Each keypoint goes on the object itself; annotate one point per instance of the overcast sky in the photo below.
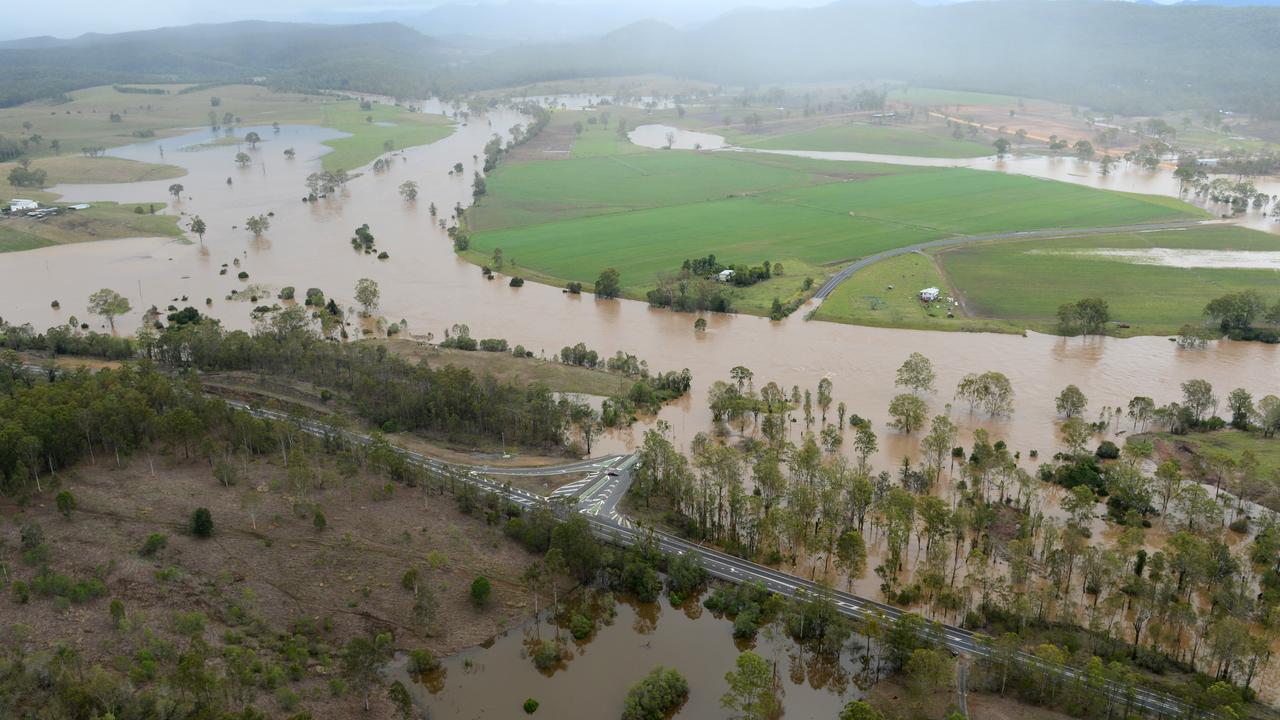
(69, 18)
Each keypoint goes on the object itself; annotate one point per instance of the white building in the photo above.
(930, 294)
(724, 275)
(20, 205)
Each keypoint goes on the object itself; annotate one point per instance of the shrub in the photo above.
(580, 626)
(319, 521)
(66, 503)
(154, 543)
(516, 282)
(421, 661)
(202, 523)
(1107, 450)
(480, 591)
(1240, 525)
(243, 275)
(530, 706)
(287, 293)
(546, 655)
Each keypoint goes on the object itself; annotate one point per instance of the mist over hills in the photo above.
(1124, 57)
(381, 57)
(1118, 56)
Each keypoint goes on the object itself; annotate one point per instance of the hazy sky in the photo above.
(68, 18)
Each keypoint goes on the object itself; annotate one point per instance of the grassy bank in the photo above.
(1229, 443)
(101, 221)
(1026, 282)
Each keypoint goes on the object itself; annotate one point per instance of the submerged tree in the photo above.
(109, 303)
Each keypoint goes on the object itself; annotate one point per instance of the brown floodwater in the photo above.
(1124, 177)
(425, 284)
(494, 679)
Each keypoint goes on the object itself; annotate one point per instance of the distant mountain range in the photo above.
(381, 57)
(1121, 56)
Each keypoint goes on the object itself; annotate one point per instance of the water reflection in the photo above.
(425, 283)
(494, 681)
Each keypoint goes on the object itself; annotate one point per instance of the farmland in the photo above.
(886, 294)
(1026, 282)
(644, 212)
(928, 141)
(102, 116)
(102, 221)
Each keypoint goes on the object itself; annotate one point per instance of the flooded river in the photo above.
(493, 680)
(1124, 177)
(424, 283)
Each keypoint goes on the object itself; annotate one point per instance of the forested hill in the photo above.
(382, 57)
(1119, 56)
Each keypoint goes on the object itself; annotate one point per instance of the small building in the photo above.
(930, 294)
(724, 276)
(80, 206)
(20, 205)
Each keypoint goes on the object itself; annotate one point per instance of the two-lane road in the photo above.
(597, 499)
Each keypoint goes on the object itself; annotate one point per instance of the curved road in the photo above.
(597, 499)
(847, 271)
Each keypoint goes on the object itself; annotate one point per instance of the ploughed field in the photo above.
(645, 212)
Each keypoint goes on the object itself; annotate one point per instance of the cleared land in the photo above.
(523, 371)
(102, 221)
(916, 141)
(1027, 282)
(645, 212)
(266, 573)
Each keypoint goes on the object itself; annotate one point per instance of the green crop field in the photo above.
(645, 212)
(1026, 282)
(886, 140)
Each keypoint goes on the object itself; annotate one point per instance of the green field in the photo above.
(886, 140)
(367, 138)
(86, 120)
(1231, 443)
(1026, 282)
(645, 212)
(102, 221)
(886, 294)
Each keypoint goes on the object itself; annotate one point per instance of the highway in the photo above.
(596, 498)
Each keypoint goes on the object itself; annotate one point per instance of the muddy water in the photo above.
(425, 284)
(1124, 177)
(494, 680)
